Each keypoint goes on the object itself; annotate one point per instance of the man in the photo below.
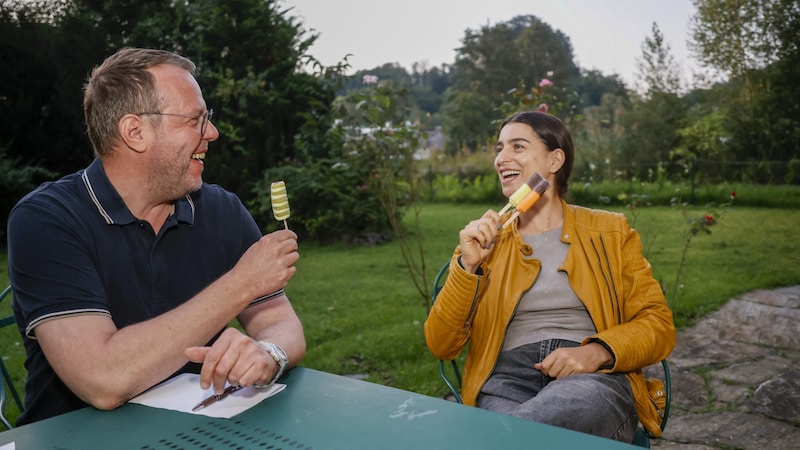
(128, 270)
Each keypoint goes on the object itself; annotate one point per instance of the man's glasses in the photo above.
(204, 118)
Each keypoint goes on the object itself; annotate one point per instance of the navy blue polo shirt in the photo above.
(75, 248)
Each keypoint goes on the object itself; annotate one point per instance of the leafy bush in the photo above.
(620, 194)
(15, 182)
(362, 189)
(481, 189)
(793, 172)
(329, 201)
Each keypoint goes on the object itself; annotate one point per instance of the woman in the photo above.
(560, 309)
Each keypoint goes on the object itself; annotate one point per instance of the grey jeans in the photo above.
(594, 403)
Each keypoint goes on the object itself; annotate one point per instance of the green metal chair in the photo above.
(453, 379)
(8, 383)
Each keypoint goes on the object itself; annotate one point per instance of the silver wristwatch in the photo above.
(279, 356)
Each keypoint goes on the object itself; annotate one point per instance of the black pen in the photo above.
(214, 398)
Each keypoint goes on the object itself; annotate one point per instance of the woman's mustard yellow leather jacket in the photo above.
(607, 271)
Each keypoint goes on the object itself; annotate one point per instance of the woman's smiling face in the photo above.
(520, 154)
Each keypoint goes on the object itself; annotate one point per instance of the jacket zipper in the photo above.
(615, 296)
(472, 307)
(508, 324)
(606, 277)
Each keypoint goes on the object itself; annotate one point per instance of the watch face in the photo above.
(279, 355)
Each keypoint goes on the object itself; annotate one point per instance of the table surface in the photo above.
(317, 410)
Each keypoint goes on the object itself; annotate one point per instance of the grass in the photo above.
(362, 314)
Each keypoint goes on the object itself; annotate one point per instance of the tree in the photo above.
(426, 87)
(656, 114)
(703, 138)
(736, 36)
(599, 138)
(592, 87)
(40, 86)
(495, 59)
(657, 69)
(754, 43)
(248, 52)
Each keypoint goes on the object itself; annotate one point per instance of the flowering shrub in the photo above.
(545, 98)
(695, 226)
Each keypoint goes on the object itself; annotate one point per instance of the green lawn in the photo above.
(363, 315)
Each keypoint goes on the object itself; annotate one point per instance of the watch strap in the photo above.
(279, 355)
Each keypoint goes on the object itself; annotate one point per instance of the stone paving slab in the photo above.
(736, 377)
(731, 431)
(779, 397)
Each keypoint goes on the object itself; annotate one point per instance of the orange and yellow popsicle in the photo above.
(532, 197)
(521, 193)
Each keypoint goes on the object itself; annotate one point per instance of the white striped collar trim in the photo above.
(191, 205)
(104, 213)
(100, 209)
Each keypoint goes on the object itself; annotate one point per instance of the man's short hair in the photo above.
(123, 85)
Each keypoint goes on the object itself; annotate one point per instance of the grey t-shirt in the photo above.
(550, 309)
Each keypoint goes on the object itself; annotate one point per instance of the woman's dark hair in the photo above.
(554, 134)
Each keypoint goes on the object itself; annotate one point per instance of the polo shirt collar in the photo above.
(111, 206)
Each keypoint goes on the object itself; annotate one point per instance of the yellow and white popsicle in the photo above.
(522, 192)
(280, 202)
(533, 196)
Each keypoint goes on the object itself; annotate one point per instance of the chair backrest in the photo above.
(453, 380)
(8, 383)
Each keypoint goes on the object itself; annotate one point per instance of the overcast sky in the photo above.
(606, 35)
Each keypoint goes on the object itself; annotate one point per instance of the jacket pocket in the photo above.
(658, 397)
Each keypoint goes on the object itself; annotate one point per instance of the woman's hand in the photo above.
(477, 240)
(567, 361)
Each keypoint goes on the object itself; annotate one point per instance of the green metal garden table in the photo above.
(317, 410)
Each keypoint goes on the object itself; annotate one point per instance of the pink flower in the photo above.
(543, 108)
(545, 83)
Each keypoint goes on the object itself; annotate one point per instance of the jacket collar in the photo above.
(568, 229)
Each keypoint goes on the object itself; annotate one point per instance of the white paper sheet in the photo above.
(183, 392)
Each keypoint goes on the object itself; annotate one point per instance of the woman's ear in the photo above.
(557, 158)
(132, 132)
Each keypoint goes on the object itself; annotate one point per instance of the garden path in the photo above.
(736, 377)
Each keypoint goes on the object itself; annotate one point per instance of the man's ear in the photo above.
(132, 132)
(557, 158)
